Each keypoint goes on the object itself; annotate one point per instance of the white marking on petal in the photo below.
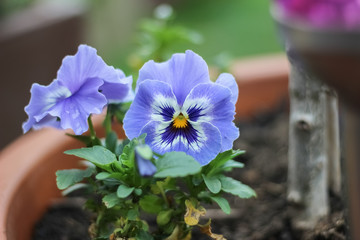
(51, 99)
(201, 138)
(167, 146)
(199, 103)
(158, 141)
(60, 93)
(160, 102)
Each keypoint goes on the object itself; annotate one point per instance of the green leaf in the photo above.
(74, 187)
(120, 147)
(127, 156)
(138, 191)
(124, 191)
(197, 179)
(111, 141)
(216, 165)
(141, 138)
(132, 214)
(111, 200)
(164, 217)
(237, 188)
(102, 175)
(151, 204)
(105, 176)
(143, 235)
(97, 155)
(223, 203)
(213, 183)
(87, 140)
(68, 177)
(232, 164)
(176, 164)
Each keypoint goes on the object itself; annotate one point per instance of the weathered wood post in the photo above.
(308, 144)
(314, 148)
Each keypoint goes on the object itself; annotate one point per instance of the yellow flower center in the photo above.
(180, 121)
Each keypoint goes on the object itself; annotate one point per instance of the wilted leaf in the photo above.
(192, 215)
(206, 229)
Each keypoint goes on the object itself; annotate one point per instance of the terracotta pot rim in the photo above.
(23, 167)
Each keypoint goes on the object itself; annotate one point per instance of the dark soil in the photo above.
(65, 220)
(267, 217)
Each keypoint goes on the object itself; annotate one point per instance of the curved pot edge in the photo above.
(15, 169)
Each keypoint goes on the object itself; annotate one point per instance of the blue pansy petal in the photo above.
(72, 117)
(145, 166)
(210, 144)
(213, 104)
(153, 130)
(129, 97)
(228, 80)
(204, 147)
(46, 121)
(85, 64)
(118, 92)
(42, 99)
(182, 72)
(75, 110)
(229, 133)
(154, 100)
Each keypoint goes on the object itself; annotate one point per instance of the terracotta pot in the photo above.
(28, 165)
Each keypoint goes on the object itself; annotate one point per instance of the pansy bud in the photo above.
(143, 156)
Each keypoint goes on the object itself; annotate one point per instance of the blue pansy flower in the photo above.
(180, 109)
(84, 85)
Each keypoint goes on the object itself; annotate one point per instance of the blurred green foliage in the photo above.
(10, 6)
(158, 36)
(229, 29)
(236, 27)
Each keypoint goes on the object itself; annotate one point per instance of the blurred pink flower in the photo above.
(323, 13)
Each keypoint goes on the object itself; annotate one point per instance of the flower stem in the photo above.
(190, 186)
(107, 121)
(91, 128)
(163, 194)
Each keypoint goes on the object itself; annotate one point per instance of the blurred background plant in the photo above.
(212, 28)
(9, 6)
(216, 30)
(157, 37)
